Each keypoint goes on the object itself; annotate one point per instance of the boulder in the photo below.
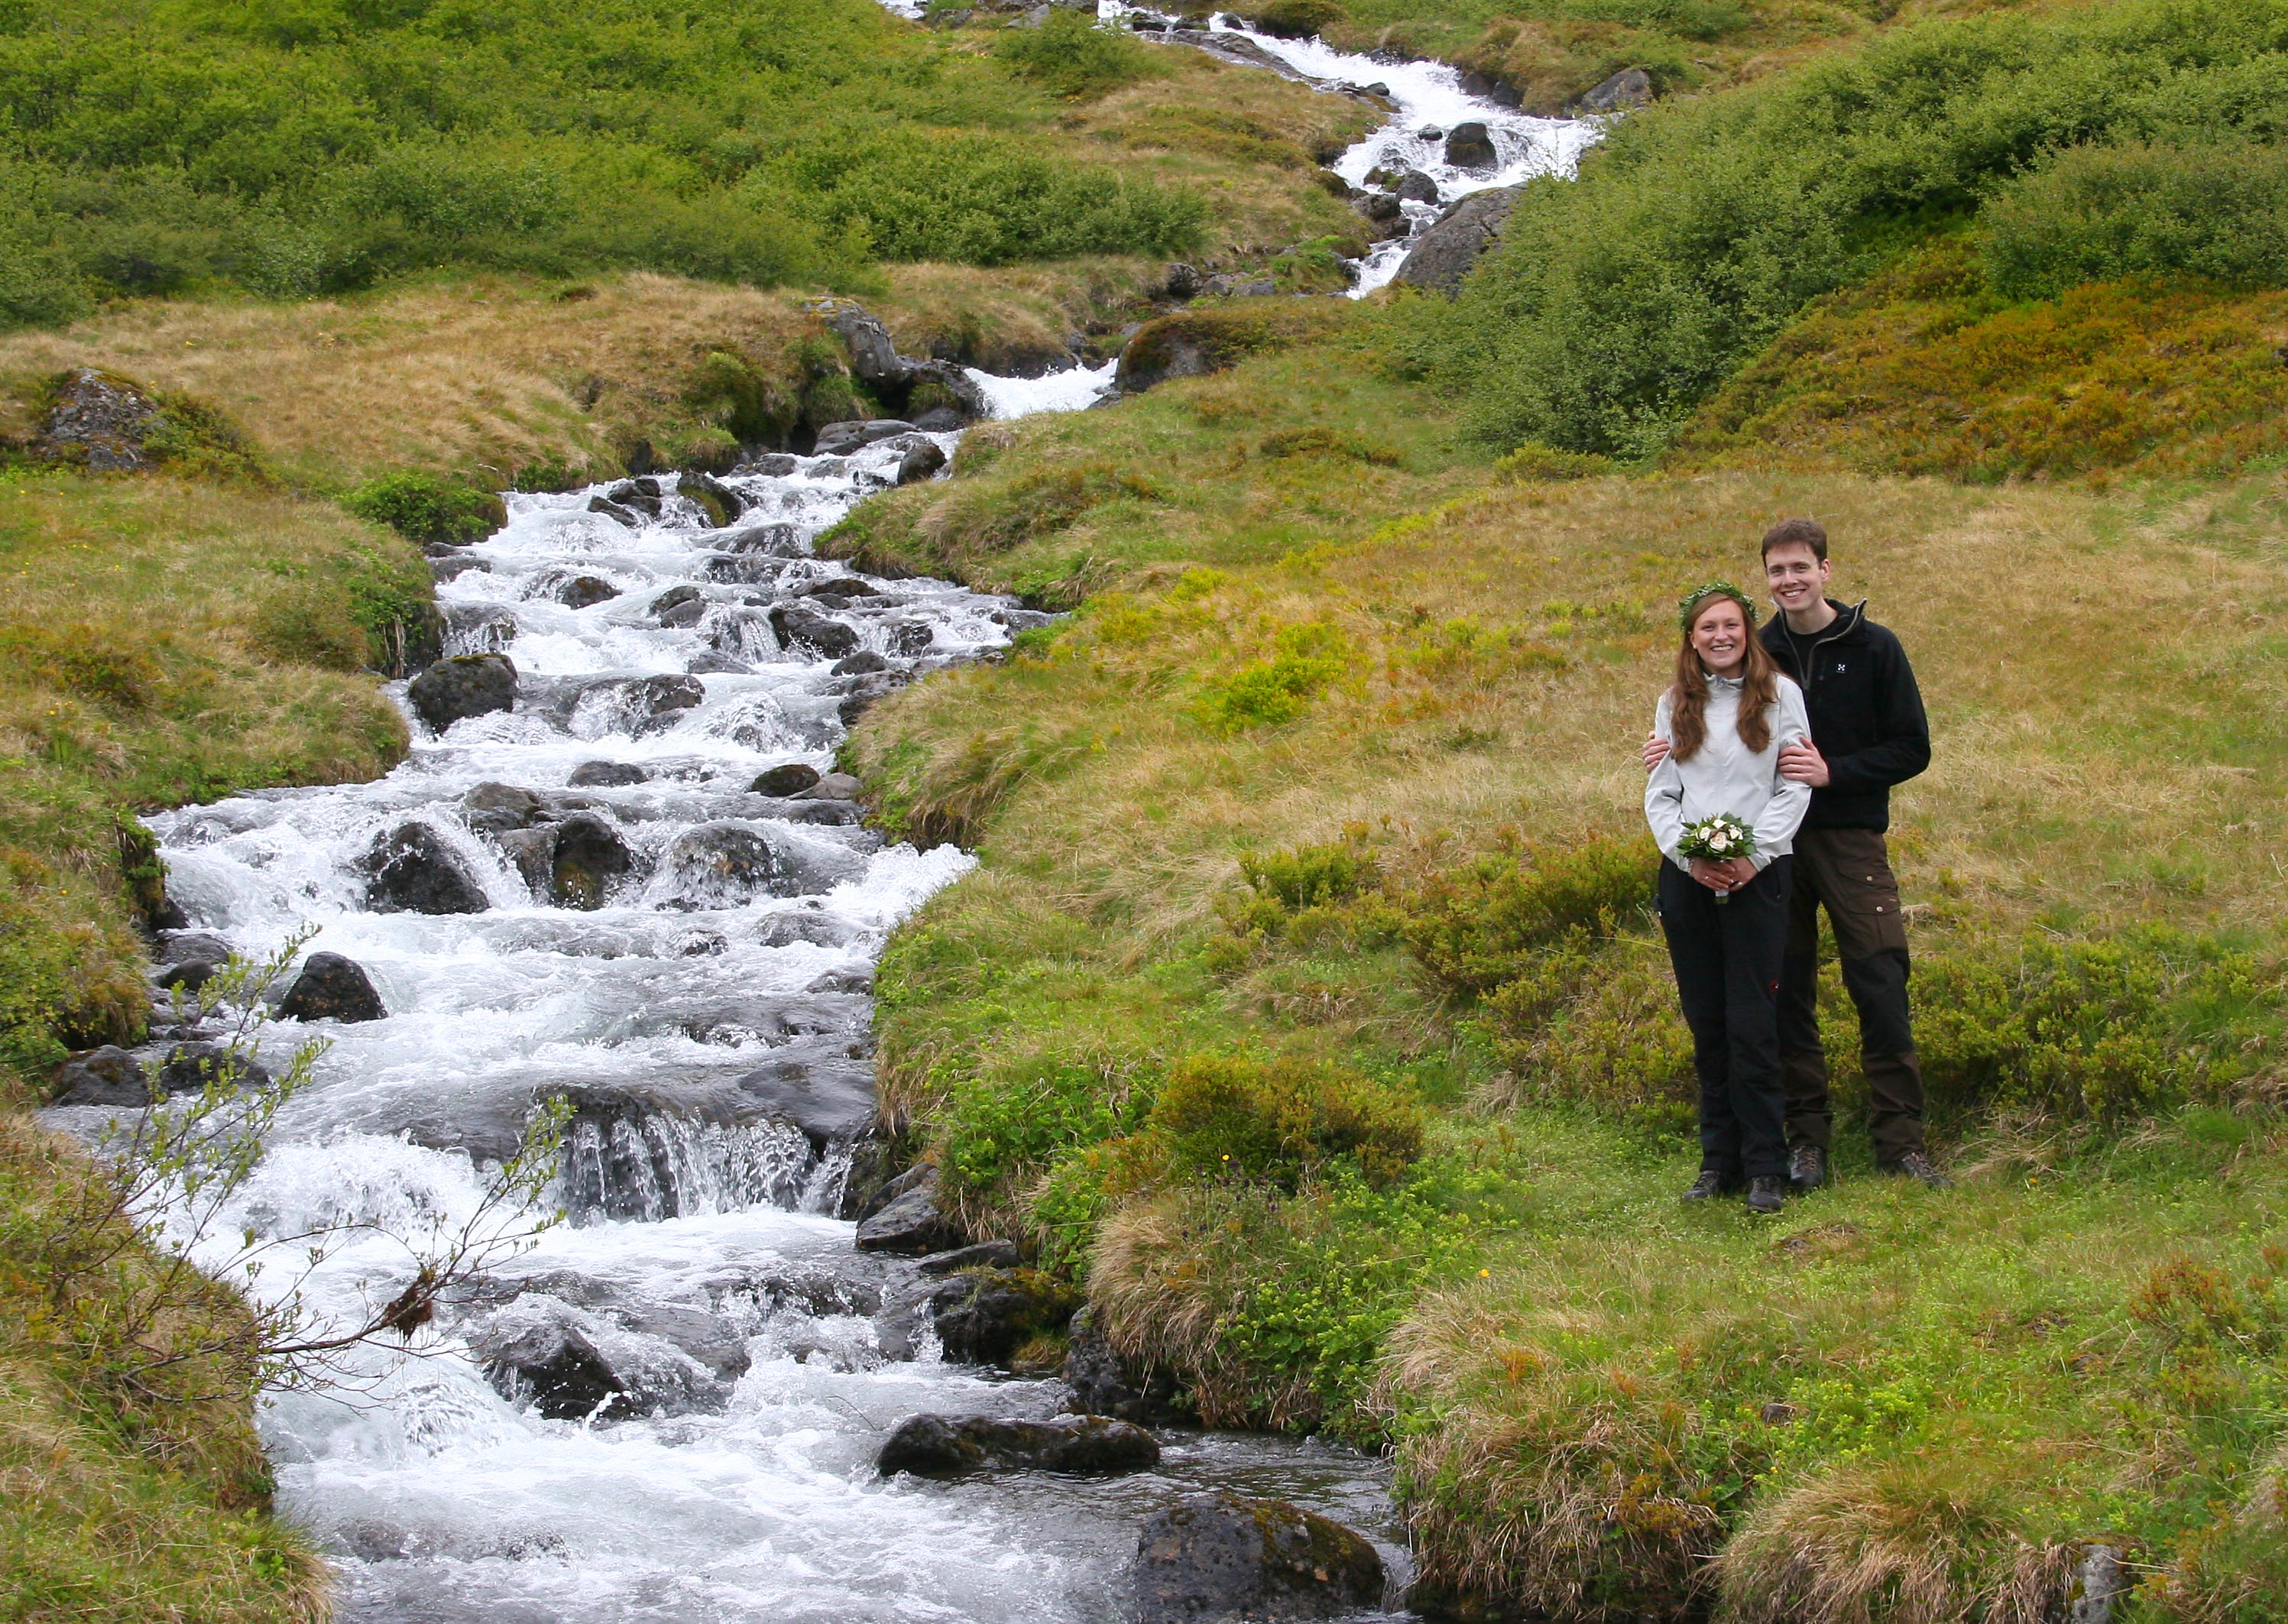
(923, 462)
(655, 703)
(607, 775)
(191, 1067)
(843, 586)
(841, 439)
(189, 959)
(874, 357)
(908, 1224)
(800, 626)
(1470, 145)
(763, 540)
(590, 855)
(726, 865)
(940, 420)
(956, 1445)
(493, 808)
(616, 512)
(1631, 87)
(985, 1316)
(1450, 249)
(583, 591)
(449, 567)
(1415, 187)
(106, 1076)
(189, 975)
(771, 465)
(532, 853)
(863, 664)
(1222, 1555)
(1379, 206)
(909, 638)
(684, 615)
(822, 1091)
(676, 597)
(984, 1254)
(1181, 281)
(566, 1360)
(331, 987)
(832, 787)
(790, 779)
(462, 686)
(717, 500)
(1099, 1381)
(101, 421)
(410, 870)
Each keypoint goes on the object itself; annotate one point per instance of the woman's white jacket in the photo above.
(1725, 775)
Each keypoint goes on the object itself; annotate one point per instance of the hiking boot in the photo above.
(1765, 1197)
(1807, 1168)
(1916, 1166)
(1711, 1182)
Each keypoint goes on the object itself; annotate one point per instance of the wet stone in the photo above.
(908, 1223)
(412, 870)
(801, 627)
(491, 809)
(1227, 1556)
(957, 1445)
(606, 775)
(192, 1067)
(589, 858)
(464, 686)
(331, 987)
(791, 779)
(106, 1076)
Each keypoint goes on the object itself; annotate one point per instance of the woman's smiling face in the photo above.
(1720, 637)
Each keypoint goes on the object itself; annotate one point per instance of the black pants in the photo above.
(1727, 977)
(1847, 871)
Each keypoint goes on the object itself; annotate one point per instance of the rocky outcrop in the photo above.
(411, 870)
(607, 775)
(466, 685)
(841, 439)
(107, 1075)
(921, 463)
(829, 1095)
(1098, 1382)
(985, 1316)
(1631, 87)
(800, 626)
(1470, 145)
(100, 420)
(1415, 187)
(1214, 1556)
(192, 1067)
(331, 987)
(956, 1445)
(908, 1223)
(1448, 252)
(493, 808)
(791, 779)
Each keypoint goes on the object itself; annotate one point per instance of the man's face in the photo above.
(1797, 577)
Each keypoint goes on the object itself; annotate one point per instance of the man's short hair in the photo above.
(1797, 533)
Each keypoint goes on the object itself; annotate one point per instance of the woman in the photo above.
(1726, 717)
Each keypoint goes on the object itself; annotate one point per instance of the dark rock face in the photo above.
(826, 1093)
(589, 856)
(940, 420)
(108, 1076)
(791, 779)
(764, 541)
(189, 959)
(718, 864)
(1631, 87)
(100, 420)
(956, 1445)
(800, 626)
(1415, 187)
(717, 500)
(653, 701)
(559, 1366)
(493, 807)
(863, 664)
(1447, 251)
(331, 987)
(1225, 1556)
(583, 591)
(464, 686)
(630, 1357)
(607, 775)
(1101, 1382)
(411, 871)
(874, 356)
(1470, 145)
(1181, 281)
(909, 1224)
(923, 462)
(984, 1254)
(190, 976)
(676, 597)
(191, 1067)
(841, 439)
(984, 1316)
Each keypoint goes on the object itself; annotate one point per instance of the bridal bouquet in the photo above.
(1718, 839)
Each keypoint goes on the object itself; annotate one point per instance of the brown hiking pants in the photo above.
(1849, 872)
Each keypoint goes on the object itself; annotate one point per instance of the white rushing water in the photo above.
(763, 1360)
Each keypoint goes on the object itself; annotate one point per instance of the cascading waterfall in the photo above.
(755, 1359)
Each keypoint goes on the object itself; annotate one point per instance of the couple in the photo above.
(1798, 735)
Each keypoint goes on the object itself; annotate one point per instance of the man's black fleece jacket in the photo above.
(1866, 714)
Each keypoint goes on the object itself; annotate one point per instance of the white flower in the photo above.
(1719, 839)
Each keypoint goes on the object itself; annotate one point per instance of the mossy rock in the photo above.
(1194, 343)
(989, 1316)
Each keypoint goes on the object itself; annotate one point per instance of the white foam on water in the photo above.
(1069, 390)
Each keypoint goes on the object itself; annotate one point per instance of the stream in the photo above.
(662, 663)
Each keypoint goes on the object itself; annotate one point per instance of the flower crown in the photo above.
(1687, 606)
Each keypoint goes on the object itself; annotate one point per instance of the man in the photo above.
(1868, 733)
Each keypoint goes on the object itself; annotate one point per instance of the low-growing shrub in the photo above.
(998, 1131)
(427, 508)
(2217, 210)
(1274, 1120)
(1322, 441)
(1305, 660)
(1483, 925)
(1534, 463)
(993, 518)
(1071, 55)
(2092, 1030)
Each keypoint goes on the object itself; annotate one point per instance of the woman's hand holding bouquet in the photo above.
(1722, 849)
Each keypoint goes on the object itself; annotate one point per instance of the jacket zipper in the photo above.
(1846, 622)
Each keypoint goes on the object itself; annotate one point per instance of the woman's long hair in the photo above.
(1687, 695)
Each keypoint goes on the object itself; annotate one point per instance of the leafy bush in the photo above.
(1299, 877)
(1614, 304)
(1070, 55)
(998, 1131)
(1305, 659)
(1486, 923)
(427, 508)
(2094, 1031)
(1274, 1120)
(2217, 210)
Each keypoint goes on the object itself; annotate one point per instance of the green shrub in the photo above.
(1615, 304)
(2094, 1031)
(2217, 210)
(1305, 660)
(1598, 1026)
(427, 508)
(1299, 877)
(1070, 55)
(1536, 463)
(1039, 501)
(1488, 923)
(1272, 1120)
(995, 1131)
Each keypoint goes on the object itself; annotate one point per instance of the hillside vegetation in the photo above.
(1306, 1002)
